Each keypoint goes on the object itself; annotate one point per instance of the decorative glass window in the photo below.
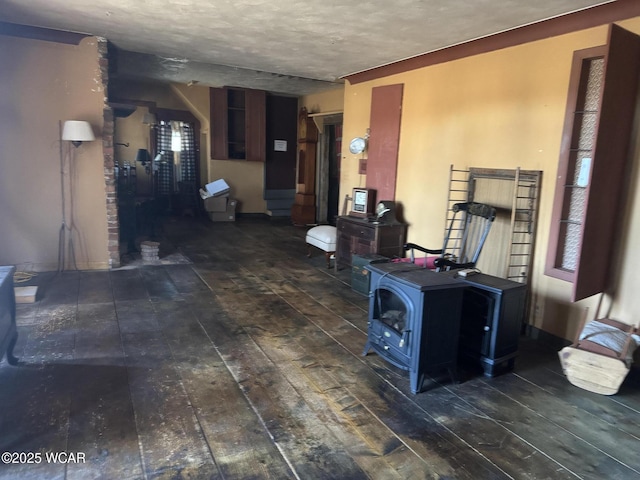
(590, 183)
(581, 155)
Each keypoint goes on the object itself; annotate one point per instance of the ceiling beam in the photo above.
(38, 33)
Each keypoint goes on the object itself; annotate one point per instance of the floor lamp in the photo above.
(75, 132)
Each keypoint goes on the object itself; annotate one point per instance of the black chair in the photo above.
(468, 229)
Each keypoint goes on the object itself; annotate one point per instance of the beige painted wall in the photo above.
(162, 94)
(196, 98)
(497, 110)
(246, 182)
(130, 130)
(42, 83)
(324, 102)
(246, 179)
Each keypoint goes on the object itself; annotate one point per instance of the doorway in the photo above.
(157, 172)
(329, 160)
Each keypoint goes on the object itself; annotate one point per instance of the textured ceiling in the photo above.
(286, 46)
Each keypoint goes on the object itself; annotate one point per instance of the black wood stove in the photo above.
(414, 319)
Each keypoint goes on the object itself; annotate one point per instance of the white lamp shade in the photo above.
(77, 131)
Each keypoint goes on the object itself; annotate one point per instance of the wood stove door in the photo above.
(390, 340)
(389, 326)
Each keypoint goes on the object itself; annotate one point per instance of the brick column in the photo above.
(108, 130)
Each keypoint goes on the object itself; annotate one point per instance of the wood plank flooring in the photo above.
(247, 364)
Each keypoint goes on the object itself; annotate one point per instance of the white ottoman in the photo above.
(324, 238)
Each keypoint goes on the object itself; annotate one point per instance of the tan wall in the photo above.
(130, 130)
(161, 94)
(497, 110)
(246, 179)
(197, 100)
(329, 101)
(42, 83)
(246, 182)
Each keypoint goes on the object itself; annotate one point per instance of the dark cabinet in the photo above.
(492, 315)
(358, 236)
(238, 124)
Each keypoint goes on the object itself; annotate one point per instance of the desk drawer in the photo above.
(355, 230)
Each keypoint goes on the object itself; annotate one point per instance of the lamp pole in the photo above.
(62, 234)
(75, 132)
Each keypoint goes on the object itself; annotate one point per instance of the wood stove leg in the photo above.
(489, 369)
(11, 360)
(453, 373)
(415, 381)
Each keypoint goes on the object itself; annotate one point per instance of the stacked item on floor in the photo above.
(600, 358)
(217, 203)
(360, 278)
(149, 251)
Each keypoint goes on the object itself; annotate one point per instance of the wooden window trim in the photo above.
(566, 165)
(604, 192)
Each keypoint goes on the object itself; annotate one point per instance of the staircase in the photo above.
(279, 202)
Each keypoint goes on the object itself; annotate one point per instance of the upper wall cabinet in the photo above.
(238, 124)
(593, 160)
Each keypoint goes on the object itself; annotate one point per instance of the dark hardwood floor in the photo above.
(246, 364)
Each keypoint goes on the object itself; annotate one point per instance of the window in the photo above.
(593, 158)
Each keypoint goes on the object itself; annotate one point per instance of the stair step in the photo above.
(280, 204)
(279, 212)
(277, 194)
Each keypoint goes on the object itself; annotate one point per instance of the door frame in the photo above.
(324, 121)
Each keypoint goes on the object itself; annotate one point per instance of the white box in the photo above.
(217, 187)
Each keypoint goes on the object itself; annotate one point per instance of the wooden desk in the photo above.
(358, 236)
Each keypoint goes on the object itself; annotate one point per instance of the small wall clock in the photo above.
(357, 145)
